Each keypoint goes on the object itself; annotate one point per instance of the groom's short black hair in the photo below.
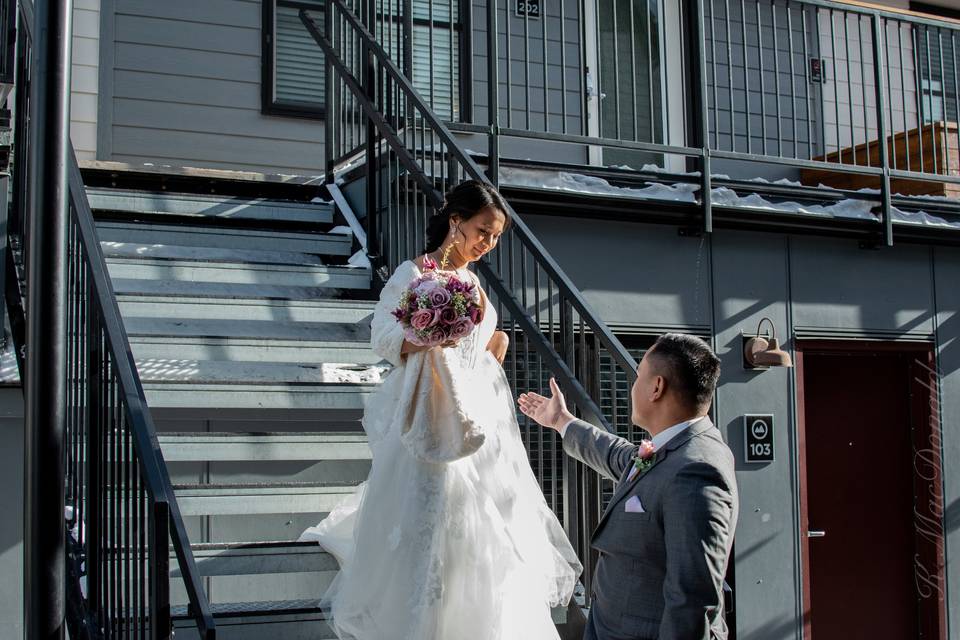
(690, 365)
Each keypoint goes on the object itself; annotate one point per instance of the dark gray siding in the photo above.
(642, 278)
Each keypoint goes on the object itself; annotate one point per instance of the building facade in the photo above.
(851, 494)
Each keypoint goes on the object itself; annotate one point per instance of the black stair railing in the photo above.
(121, 514)
(411, 160)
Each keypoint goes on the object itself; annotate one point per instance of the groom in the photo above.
(665, 538)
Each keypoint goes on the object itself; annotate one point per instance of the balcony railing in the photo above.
(816, 91)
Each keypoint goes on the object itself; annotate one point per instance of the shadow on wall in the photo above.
(951, 517)
(773, 630)
(630, 273)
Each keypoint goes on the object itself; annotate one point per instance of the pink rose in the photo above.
(461, 328)
(438, 297)
(448, 315)
(438, 336)
(645, 450)
(425, 287)
(423, 318)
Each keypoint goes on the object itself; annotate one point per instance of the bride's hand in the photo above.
(550, 412)
(408, 347)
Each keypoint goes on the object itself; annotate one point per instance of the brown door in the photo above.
(866, 481)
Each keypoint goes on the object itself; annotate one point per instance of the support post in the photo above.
(45, 383)
(879, 77)
(493, 94)
(699, 130)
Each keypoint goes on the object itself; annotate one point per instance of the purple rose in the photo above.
(438, 336)
(438, 297)
(448, 316)
(423, 318)
(411, 336)
(462, 328)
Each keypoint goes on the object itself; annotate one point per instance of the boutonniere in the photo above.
(644, 459)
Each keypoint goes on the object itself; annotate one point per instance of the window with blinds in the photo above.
(294, 70)
(293, 79)
(436, 55)
(937, 54)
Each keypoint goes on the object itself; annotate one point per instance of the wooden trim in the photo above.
(802, 488)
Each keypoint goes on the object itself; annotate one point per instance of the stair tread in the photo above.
(265, 487)
(252, 447)
(208, 206)
(322, 303)
(155, 287)
(230, 276)
(133, 250)
(241, 396)
(189, 308)
(262, 329)
(261, 607)
(258, 436)
(306, 546)
(231, 263)
(141, 227)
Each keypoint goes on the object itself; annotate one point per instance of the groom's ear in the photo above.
(659, 387)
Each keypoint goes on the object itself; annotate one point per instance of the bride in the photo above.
(465, 549)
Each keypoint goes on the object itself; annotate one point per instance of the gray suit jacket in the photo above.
(660, 573)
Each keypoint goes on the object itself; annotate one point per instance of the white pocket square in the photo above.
(633, 505)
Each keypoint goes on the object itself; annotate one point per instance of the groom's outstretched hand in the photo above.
(550, 412)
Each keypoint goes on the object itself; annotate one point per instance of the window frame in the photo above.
(269, 105)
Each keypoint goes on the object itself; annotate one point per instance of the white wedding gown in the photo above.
(462, 550)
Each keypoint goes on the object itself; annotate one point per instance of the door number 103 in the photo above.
(760, 449)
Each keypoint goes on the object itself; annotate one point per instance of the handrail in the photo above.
(567, 378)
(142, 427)
(122, 511)
(518, 226)
(552, 327)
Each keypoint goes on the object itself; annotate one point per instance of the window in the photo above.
(938, 64)
(436, 56)
(293, 63)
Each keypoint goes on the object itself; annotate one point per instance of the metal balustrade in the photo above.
(121, 516)
(411, 159)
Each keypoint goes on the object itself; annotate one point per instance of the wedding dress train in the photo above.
(465, 549)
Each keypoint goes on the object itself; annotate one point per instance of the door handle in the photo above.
(816, 534)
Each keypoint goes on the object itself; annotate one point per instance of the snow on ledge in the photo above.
(848, 209)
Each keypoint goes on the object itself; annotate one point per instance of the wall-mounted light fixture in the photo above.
(763, 352)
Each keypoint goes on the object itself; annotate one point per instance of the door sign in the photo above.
(758, 438)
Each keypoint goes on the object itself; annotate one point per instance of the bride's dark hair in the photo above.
(464, 200)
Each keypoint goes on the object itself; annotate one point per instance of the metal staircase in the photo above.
(219, 358)
(255, 366)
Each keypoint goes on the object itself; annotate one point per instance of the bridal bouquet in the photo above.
(438, 307)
